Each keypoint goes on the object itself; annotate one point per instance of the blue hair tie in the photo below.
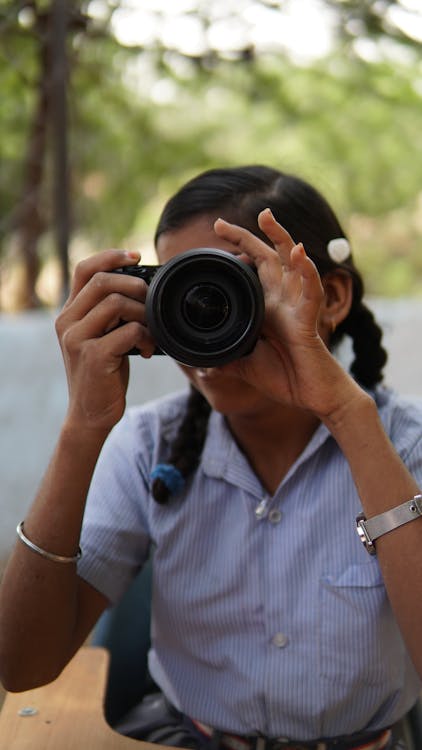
(171, 477)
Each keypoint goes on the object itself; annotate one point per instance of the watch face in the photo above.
(369, 530)
(416, 505)
(363, 534)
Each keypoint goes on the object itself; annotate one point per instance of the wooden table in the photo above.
(67, 714)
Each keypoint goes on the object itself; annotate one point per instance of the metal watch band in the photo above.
(372, 528)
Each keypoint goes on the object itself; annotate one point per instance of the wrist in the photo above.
(78, 436)
(351, 413)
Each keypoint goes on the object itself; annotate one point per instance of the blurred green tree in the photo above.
(144, 117)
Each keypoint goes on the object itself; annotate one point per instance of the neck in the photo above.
(273, 440)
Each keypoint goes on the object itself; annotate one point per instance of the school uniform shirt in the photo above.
(268, 615)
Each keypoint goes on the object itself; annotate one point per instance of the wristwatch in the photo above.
(370, 529)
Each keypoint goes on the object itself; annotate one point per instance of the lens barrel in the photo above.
(205, 307)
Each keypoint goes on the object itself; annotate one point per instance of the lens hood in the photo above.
(205, 307)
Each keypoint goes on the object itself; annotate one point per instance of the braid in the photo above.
(187, 447)
(366, 334)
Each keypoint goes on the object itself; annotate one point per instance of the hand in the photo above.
(291, 362)
(93, 343)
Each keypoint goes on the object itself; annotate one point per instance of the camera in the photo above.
(204, 307)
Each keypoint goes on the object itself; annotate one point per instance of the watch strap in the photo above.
(370, 529)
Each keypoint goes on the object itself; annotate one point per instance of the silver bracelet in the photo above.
(48, 555)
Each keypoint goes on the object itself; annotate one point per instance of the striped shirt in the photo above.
(268, 613)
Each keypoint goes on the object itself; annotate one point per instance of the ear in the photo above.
(338, 297)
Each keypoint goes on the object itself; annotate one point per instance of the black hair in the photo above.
(187, 447)
(239, 194)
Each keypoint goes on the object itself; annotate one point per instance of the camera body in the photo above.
(204, 307)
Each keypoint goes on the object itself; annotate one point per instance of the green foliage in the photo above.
(143, 120)
(347, 126)
(119, 151)
(18, 73)
(383, 20)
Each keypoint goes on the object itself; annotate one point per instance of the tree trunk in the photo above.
(30, 222)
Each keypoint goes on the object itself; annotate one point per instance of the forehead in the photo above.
(198, 232)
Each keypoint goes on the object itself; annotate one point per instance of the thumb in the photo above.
(247, 367)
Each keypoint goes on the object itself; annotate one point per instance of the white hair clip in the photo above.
(338, 249)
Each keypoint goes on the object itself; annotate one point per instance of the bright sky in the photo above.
(303, 28)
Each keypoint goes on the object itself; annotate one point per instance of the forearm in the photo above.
(45, 609)
(383, 482)
(380, 476)
(39, 598)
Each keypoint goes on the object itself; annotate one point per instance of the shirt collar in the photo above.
(223, 459)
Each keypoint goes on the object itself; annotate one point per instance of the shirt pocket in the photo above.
(357, 630)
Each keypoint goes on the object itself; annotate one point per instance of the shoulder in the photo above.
(166, 410)
(161, 416)
(146, 428)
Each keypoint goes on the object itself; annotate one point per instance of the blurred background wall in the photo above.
(33, 394)
(33, 398)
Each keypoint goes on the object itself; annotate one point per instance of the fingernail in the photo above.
(132, 254)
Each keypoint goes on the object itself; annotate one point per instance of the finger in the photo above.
(311, 284)
(296, 263)
(245, 241)
(107, 260)
(265, 258)
(117, 342)
(131, 336)
(111, 348)
(279, 237)
(109, 314)
(277, 234)
(100, 286)
(249, 367)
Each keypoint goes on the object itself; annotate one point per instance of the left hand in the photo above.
(291, 362)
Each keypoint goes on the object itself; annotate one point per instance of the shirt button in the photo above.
(261, 509)
(280, 640)
(274, 516)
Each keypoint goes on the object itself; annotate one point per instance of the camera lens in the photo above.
(205, 307)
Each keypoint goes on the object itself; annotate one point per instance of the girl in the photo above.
(271, 623)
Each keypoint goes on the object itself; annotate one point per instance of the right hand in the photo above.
(93, 344)
(291, 362)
